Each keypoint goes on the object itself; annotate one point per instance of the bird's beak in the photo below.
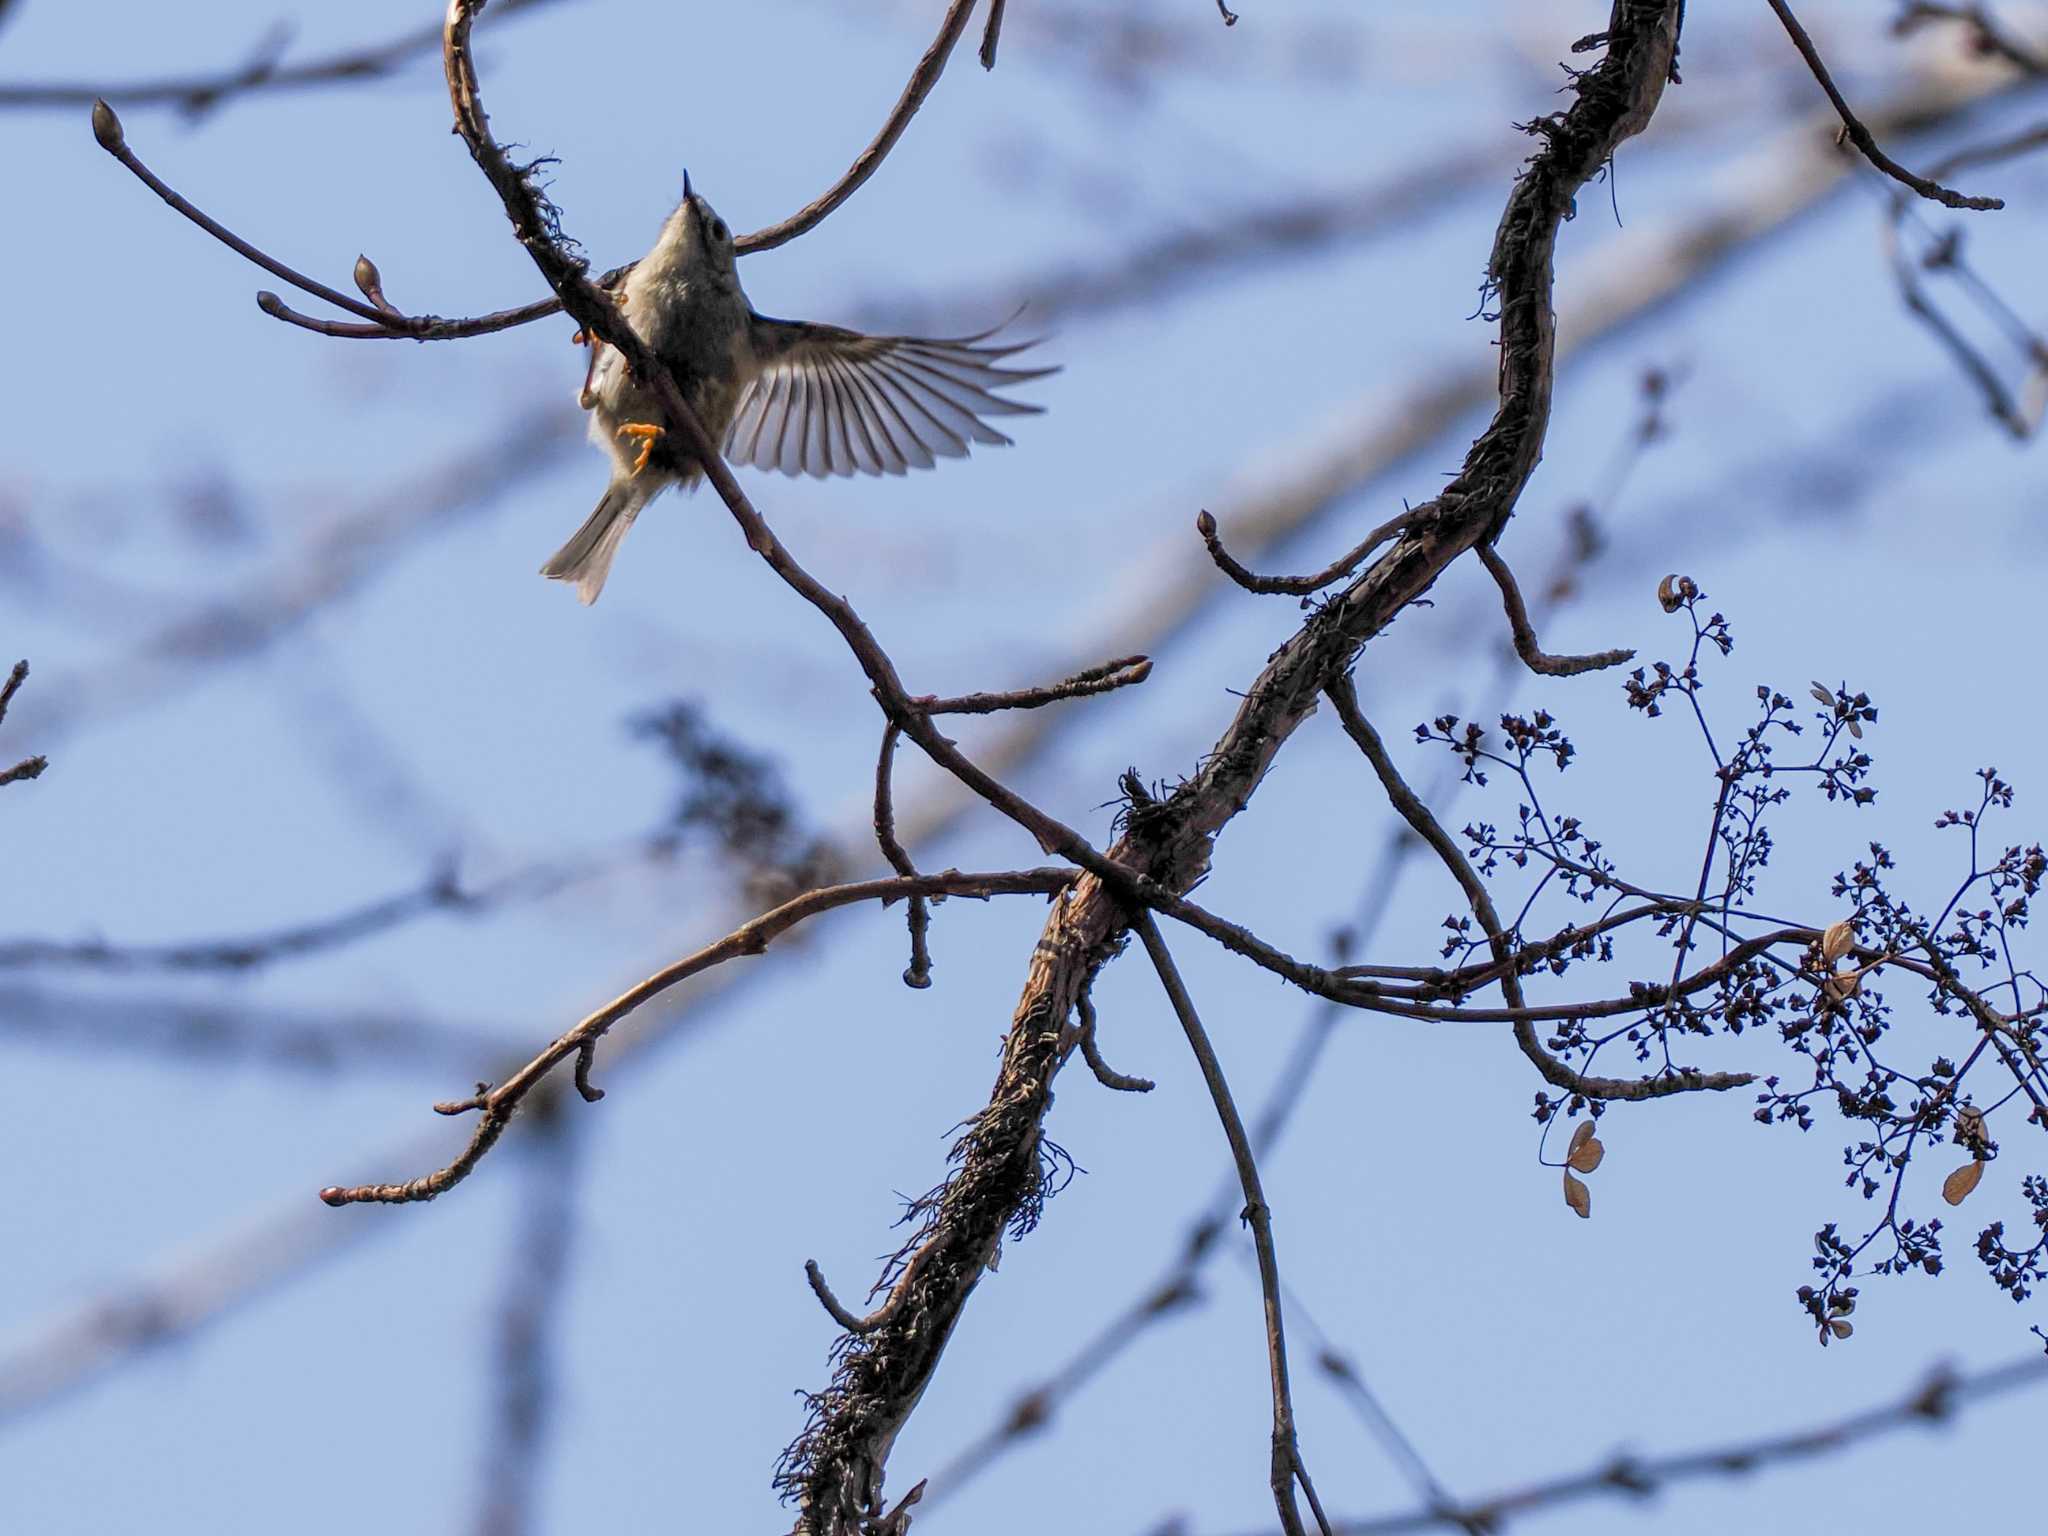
(686, 184)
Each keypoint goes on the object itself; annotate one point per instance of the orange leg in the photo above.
(647, 433)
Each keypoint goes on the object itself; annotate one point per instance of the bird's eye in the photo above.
(718, 230)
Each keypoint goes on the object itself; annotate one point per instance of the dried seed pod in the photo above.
(1955, 1189)
(1577, 1196)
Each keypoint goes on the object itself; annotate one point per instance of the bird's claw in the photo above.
(647, 432)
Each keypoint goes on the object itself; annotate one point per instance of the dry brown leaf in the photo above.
(1581, 1136)
(1576, 1195)
(1667, 593)
(1586, 1155)
(1841, 1327)
(1955, 1189)
(1844, 986)
(1839, 939)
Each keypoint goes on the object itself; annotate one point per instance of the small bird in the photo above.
(778, 394)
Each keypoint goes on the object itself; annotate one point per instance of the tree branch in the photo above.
(197, 94)
(1301, 586)
(1526, 646)
(1287, 1466)
(1861, 136)
(1518, 1012)
(1934, 1402)
(835, 1468)
(496, 1106)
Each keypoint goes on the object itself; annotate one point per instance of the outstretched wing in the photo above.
(829, 401)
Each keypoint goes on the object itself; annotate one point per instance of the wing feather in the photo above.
(828, 401)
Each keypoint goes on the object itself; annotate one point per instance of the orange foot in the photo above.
(647, 433)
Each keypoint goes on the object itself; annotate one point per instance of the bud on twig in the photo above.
(371, 282)
(106, 127)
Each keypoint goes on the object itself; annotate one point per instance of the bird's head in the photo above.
(699, 238)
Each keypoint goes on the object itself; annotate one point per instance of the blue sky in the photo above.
(1828, 480)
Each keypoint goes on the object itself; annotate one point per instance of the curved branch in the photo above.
(1287, 1466)
(1859, 135)
(195, 94)
(869, 160)
(1300, 586)
(383, 323)
(497, 1105)
(1533, 655)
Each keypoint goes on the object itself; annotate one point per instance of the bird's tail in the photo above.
(586, 558)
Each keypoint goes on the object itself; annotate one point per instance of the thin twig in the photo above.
(441, 891)
(28, 767)
(16, 676)
(2021, 417)
(385, 323)
(1934, 1402)
(1335, 571)
(1526, 646)
(1517, 1013)
(1091, 1052)
(497, 1105)
(1861, 136)
(1124, 672)
(919, 972)
(195, 94)
(107, 129)
(1986, 36)
(869, 160)
(851, 1321)
(991, 34)
(1287, 1465)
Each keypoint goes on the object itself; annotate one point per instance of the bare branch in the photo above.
(992, 34)
(106, 128)
(1944, 254)
(1526, 646)
(1124, 672)
(1518, 1012)
(1091, 1052)
(1335, 571)
(869, 160)
(919, 972)
(28, 767)
(497, 1105)
(1986, 36)
(1943, 1394)
(836, 1466)
(1287, 1465)
(442, 891)
(383, 322)
(262, 73)
(1861, 136)
(851, 1321)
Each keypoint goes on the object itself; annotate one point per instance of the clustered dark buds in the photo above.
(1825, 991)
